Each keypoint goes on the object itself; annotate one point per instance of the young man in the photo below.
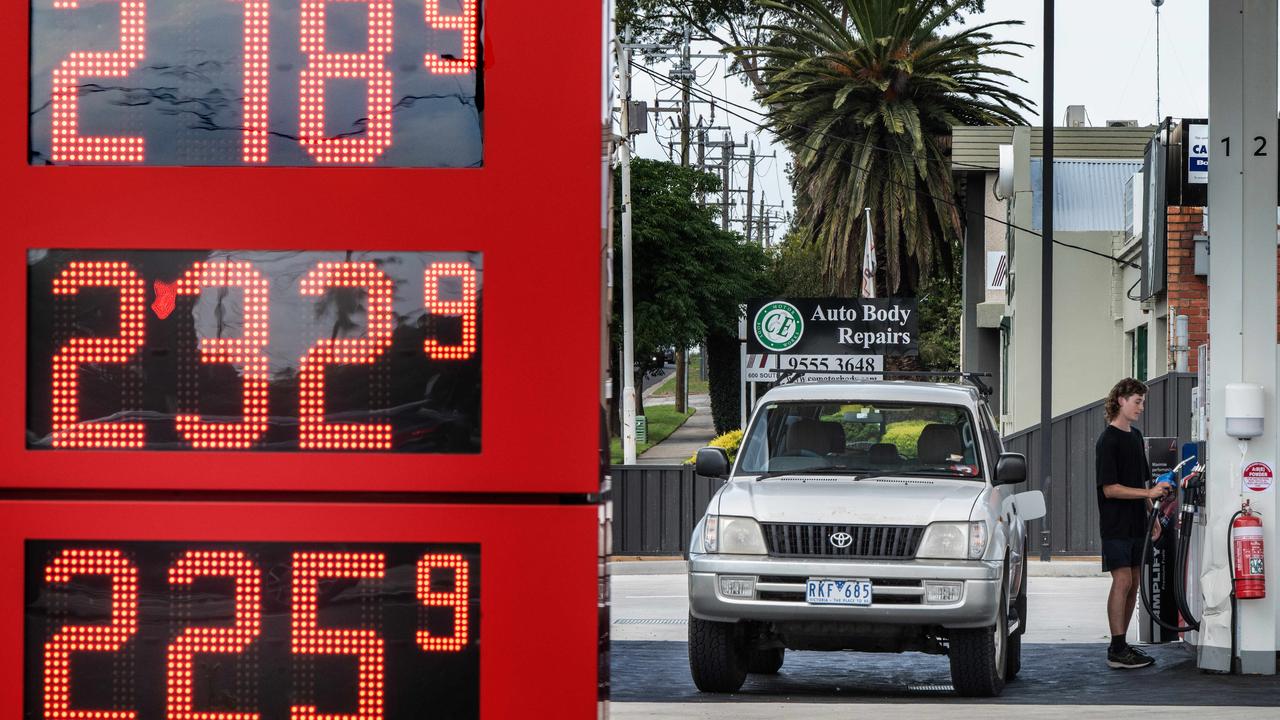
(1123, 503)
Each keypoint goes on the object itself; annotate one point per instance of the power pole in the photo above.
(628, 321)
(751, 176)
(685, 74)
(726, 159)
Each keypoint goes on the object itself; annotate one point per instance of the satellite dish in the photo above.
(1004, 180)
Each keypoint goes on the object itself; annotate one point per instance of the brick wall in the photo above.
(1188, 293)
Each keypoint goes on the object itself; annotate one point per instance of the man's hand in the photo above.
(1157, 492)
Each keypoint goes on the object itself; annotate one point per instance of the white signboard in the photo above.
(1197, 154)
(831, 363)
(997, 270)
(811, 368)
(759, 368)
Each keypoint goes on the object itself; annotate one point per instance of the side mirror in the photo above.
(1011, 468)
(712, 462)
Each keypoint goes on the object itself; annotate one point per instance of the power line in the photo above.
(837, 138)
(850, 163)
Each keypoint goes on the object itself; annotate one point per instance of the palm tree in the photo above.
(865, 101)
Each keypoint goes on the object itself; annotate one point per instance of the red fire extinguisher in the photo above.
(1246, 551)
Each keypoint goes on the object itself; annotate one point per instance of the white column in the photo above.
(1242, 313)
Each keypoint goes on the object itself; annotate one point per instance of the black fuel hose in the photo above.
(1182, 559)
(1180, 553)
(1231, 565)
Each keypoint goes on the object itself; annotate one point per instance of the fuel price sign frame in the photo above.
(172, 302)
(244, 610)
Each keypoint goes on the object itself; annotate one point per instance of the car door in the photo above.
(1017, 529)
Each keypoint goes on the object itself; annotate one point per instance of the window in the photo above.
(863, 437)
(1139, 353)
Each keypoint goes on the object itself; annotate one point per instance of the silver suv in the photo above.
(870, 516)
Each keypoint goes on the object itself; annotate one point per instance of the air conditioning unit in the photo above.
(1076, 116)
(1122, 123)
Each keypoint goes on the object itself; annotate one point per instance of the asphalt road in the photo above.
(1064, 671)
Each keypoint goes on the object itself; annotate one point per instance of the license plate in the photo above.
(837, 591)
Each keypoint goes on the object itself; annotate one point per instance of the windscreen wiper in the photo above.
(819, 470)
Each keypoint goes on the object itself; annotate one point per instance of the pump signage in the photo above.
(1257, 477)
(1197, 153)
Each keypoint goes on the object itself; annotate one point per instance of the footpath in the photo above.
(681, 445)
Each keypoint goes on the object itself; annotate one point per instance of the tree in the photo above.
(688, 274)
(865, 101)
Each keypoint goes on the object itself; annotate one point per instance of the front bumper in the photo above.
(897, 590)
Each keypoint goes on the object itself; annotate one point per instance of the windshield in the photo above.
(862, 437)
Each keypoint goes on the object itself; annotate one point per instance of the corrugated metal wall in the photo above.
(1073, 501)
(656, 506)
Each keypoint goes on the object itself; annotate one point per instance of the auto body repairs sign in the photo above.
(833, 326)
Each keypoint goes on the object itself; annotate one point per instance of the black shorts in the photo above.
(1124, 552)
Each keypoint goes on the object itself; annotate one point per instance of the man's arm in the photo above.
(1116, 491)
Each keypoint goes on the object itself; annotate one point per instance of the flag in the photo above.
(869, 261)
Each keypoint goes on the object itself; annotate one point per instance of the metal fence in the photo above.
(1072, 493)
(655, 507)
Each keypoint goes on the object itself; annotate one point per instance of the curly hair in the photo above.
(1122, 389)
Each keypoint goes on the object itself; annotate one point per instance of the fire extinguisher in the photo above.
(1246, 552)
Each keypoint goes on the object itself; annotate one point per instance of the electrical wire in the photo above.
(837, 138)
(708, 96)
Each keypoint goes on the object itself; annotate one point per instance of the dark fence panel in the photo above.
(655, 507)
(1072, 496)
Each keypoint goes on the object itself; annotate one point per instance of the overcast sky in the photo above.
(1105, 60)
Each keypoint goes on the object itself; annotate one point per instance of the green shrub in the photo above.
(905, 434)
(730, 441)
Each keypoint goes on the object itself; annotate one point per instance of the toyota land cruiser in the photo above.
(869, 516)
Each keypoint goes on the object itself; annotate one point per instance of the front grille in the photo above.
(869, 541)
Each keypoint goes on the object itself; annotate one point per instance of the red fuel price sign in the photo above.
(327, 611)
(240, 631)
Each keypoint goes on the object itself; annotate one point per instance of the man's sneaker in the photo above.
(1140, 653)
(1127, 658)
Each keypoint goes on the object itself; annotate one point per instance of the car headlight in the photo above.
(954, 541)
(732, 535)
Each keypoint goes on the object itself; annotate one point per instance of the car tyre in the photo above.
(766, 661)
(978, 655)
(717, 655)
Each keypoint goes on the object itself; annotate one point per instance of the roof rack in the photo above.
(786, 377)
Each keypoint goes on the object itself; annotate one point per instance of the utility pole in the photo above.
(751, 176)
(684, 72)
(726, 159)
(628, 321)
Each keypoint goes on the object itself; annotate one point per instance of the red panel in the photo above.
(538, 579)
(533, 210)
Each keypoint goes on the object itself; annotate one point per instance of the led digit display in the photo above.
(257, 82)
(254, 350)
(241, 631)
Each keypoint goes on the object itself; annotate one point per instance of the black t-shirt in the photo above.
(1121, 459)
